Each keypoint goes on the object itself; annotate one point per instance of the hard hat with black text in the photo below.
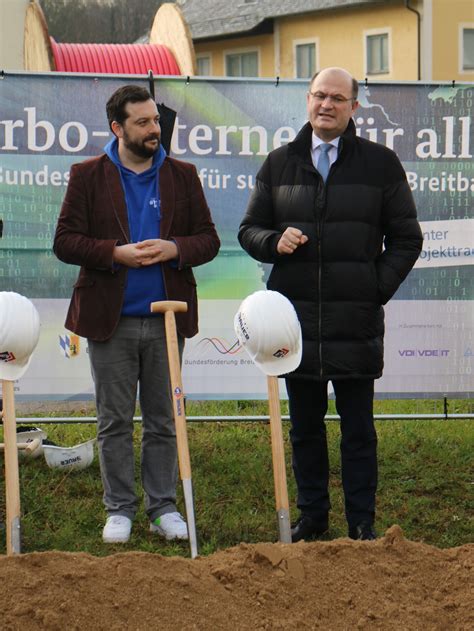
(268, 328)
(19, 334)
(77, 457)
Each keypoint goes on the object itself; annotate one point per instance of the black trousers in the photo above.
(308, 403)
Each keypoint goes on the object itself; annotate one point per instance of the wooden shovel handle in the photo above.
(12, 477)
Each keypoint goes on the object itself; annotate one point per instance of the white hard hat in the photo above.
(268, 328)
(19, 333)
(27, 434)
(77, 457)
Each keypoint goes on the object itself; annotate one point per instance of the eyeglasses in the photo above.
(338, 99)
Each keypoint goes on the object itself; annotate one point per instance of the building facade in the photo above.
(381, 40)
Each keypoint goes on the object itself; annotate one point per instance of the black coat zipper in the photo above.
(320, 257)
(320, 260)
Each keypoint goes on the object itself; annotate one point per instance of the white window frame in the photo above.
(302, 42)
(378, 31)
(205, 55)
(240, 51)
(462, 27)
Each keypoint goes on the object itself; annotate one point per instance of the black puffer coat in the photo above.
(364, 238)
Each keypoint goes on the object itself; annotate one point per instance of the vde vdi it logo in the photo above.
(69, 345)
(423, 352)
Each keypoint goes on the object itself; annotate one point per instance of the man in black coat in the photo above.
(334, 214)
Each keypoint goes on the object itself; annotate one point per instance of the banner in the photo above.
(226, 128)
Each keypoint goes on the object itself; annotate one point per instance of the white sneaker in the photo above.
(170, 526)
(117, 529)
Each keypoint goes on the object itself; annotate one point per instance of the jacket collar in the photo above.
(301, 145)
(167, 197)
(117, 198)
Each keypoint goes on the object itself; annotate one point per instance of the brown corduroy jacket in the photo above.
(93, 220)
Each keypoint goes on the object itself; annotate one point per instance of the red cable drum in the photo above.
(114, 58)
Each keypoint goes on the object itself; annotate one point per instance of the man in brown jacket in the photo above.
(136, 222)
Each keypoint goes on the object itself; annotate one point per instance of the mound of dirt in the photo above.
(391, 583)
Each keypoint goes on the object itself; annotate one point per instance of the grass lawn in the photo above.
(426, 485)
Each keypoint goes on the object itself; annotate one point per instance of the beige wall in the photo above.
(341, 40)
(448, 15)
(262, 43)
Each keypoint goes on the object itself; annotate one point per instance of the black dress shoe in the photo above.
(307, 529)
(363, 532)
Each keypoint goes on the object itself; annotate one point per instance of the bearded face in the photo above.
(142, 147)
(140, 133)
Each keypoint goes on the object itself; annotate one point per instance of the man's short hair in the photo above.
(355, 85)
(120, 98)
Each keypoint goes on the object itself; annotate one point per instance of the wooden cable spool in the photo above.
(170, 50)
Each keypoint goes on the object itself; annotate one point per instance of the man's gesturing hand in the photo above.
(291, 239)
(145, 253)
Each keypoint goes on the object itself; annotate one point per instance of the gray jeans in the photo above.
(136, 354)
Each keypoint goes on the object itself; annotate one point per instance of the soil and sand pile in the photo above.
(388, 584)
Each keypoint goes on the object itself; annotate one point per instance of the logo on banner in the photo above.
(216, 351)
(222, 346)
(423, 352)
(69, 345)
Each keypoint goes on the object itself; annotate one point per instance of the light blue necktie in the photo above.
(323, 162)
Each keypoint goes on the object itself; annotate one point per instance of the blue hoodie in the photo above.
(142, 195)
